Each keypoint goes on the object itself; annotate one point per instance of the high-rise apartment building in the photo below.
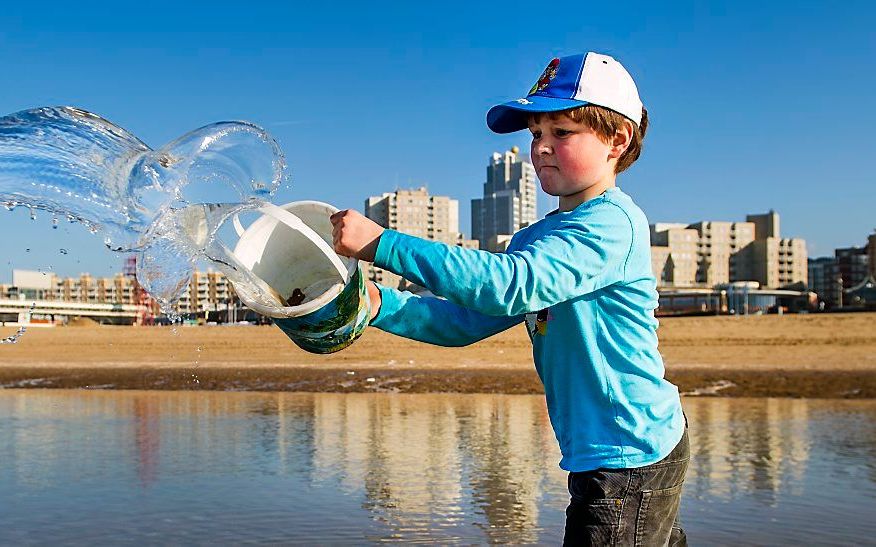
(508, 203)
(417, 213)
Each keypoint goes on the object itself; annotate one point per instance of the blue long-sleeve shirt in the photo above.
(583, 283)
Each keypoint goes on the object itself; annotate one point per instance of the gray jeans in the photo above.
(635, 506)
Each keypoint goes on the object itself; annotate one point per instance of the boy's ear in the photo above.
(621, 140)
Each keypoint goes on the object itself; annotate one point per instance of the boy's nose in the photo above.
(544, 148)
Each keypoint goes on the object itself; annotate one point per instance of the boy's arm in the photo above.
(584, 254)
(435, 321)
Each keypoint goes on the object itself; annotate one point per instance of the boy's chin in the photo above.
(556, 192)
(549, 189)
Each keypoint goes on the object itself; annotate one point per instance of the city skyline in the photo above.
(6, 277)
(365, 101)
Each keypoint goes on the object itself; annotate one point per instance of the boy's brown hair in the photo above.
(606, 123)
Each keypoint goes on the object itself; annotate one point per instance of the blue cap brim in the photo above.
(514, 115)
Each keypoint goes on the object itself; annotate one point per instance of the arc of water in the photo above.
(295, 223)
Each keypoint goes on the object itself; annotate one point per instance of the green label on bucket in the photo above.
(334, 326)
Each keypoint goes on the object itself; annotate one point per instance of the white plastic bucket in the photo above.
(277, 256)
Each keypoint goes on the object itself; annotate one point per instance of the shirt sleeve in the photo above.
(581, 254)
(434, 320)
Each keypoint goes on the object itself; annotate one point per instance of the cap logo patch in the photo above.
(549, 74)
(524, 101)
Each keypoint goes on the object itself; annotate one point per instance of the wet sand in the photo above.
(831, 355)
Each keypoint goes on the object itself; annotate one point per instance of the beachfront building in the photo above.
(508, 203)
(416, 213)
(852, 265)
(38, 297)
(850, 268)
(119, 289)
(711, 253)
(206, 292)
(674, 254)
(771, 260)
(700, 254)
(29, 285)
(871, 253)
(823, 280)
(718, 244)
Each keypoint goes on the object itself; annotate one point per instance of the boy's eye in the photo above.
(536, 135)
(562, 132)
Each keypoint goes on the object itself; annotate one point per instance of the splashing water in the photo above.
(13, 339)
(167, 205)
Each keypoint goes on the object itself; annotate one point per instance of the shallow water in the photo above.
(206, 467)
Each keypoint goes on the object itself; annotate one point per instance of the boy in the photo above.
(581, 280)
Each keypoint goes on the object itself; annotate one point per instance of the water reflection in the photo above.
(147, 438)
(429, 461)
(745, 445)
(445, 468)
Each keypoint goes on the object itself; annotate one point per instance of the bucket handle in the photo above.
(298, 225)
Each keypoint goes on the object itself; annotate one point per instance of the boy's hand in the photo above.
(355, 235)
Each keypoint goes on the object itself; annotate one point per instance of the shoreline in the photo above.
(818, 356)
(836, 384)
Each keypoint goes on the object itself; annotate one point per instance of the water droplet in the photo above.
(10, 205)
(54, 223)
(32, 213)
(63, 251)
(27, 250)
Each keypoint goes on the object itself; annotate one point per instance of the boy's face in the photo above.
(568, 156)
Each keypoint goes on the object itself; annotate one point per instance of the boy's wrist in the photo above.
(369, 252)
(382, 248)
(375, 299)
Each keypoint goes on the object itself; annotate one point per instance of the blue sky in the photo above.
(753, 105)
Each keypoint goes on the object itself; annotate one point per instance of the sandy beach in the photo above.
(828, 355)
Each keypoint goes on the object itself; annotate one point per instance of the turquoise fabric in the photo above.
(582, 282)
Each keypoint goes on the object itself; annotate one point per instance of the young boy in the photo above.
(581, 279)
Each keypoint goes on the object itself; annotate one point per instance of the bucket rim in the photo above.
(315, 304)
